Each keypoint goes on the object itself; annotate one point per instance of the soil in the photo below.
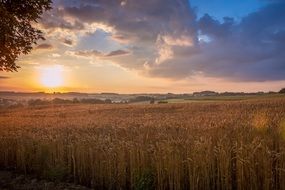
(14, 181)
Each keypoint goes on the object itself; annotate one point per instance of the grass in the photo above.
(206, 145)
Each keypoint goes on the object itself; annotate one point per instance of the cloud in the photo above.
(44, 46)
(98, 54)
(163, 38)
(91, 53)
(178, 41)
(144, 26)
(56, 55)
(247, 51)
(4, 77)
(117, 53)
(55, 19)
(140, 21)
(214, 28)
(68, 42)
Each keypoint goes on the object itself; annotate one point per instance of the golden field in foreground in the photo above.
(205, 145)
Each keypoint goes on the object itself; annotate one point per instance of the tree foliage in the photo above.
(282, 91)
(17, 33)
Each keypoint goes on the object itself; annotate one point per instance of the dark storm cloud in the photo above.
(163, 38)
(249, 50)
(141, 21)
(214, 28)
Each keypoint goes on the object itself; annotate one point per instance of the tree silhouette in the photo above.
(282, 91)
(17, 35)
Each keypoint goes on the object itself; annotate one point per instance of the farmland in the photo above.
(197, 145)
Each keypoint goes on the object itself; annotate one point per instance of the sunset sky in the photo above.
(135, 46)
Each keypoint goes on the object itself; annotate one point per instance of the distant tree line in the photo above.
(282, 91)
(141, 99)
(35, 102)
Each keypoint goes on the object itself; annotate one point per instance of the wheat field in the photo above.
(230, 145)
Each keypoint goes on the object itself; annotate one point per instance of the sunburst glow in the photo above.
(52, 76)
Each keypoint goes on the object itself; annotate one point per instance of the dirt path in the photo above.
(13, 181)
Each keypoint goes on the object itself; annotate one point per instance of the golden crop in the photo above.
(214, 145)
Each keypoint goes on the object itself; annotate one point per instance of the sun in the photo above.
(52, 76)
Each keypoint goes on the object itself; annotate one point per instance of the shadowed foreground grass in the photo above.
(214, 145)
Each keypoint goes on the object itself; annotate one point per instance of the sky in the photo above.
(156, 46)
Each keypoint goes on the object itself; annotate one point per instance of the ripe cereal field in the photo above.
(228, 145)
